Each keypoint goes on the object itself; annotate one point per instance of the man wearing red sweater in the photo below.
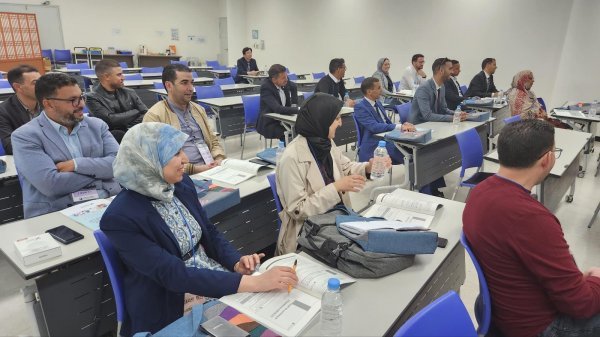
(535, 285)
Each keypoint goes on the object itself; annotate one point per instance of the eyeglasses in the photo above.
(557, 152)
(74, 101)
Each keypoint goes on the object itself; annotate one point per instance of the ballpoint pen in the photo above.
(294, 269)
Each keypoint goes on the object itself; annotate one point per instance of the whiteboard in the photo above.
(48, 21)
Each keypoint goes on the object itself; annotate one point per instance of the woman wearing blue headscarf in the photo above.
(164, 238)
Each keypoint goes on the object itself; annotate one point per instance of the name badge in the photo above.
(84, 195)
(204, 152)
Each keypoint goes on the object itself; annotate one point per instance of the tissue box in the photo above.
(37, 248)
(420, 136)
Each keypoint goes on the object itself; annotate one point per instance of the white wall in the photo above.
(95, 23)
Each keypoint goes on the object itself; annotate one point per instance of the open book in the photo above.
(288, 314)
(414, 214)
(232, 171)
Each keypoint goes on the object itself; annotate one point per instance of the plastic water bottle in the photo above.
(279, 151)
(456, 117)
(346, 98)
(331, 309)
(593, 109)
(379, 157)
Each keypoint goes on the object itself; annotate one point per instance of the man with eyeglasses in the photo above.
(63, 157)
(535, 285)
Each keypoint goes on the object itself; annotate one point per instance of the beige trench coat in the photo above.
(302, 190)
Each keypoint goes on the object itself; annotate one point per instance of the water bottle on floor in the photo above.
(279, 151)
(379, 157)
(331, 309)
(456, 117)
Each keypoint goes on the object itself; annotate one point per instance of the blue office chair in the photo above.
(359, 79)
(444, 317)
(209, 91)
(226, 80)
(5, 84)
(185, 63)
(47, 53)
(115, 268)
(233, 72)
(88, 72)
(273, 183)
(2, 152)
(251, 111)
(512, 119)
(471, 152)
(403, 111)
(62, 56)
(86, 110)
(483, 304)
(318, 76)
(358, 135)
(542, 103)
(83, 65)
(133, 77)
(158, 85)
(463, 89)
(397, 85)
(292, 77)
(213, 63)
(194, 74)
(147, 70)
(124, 65)
(307, 95)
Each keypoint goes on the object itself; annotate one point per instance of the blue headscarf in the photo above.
(145, 149)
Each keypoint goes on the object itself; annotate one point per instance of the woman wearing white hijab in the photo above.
(164, 238)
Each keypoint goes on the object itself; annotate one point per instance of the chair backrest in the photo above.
(233, 71)
(86, 110)
(83, 65)
(307, 94)
(403, 111)
(213, 63)
(4, 84)
(542, 103)
(124, 65)
(471, 150)
(358, 132)
(88, 72)
(2, 152)
(397, 85)
(359, 79)
(133, 77)
(292, 77)
(194, 74)
(209, 91)
(273, 183)
(251, 109)
(47, 53)
(115, 269)
(318, 76)
(226, 80)
(185, 63)
(483, 312)
(158, 85)
(512, 119)
(444, 317)
(463, 89)
(152, 70)
(62, 56)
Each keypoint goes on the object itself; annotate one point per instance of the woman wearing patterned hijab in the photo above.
(164, 238)
(313, 175)
(387, 85)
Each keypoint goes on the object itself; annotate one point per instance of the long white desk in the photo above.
(565, 170)
(11, 196)
(228, 89)
(146, 84)
(220, 73)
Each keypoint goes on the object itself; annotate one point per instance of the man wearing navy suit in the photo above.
(482, 84)
(246, 65)
(62, 156)
(429, 103)
(454, 96)
(371, 118)
(277, 95)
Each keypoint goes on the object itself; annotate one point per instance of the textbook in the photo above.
(214, 198)
(413, 214)
(288, 313)
(232, 171)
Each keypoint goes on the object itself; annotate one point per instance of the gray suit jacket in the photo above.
(423, 105)
(37, 147)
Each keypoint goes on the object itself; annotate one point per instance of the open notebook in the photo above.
(412, 214)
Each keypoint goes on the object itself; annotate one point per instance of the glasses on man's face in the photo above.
(557, 152)
(74, 101)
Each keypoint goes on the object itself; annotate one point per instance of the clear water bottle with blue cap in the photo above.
(331, 309)
(379, 158)
(279, 151)
(456, 117)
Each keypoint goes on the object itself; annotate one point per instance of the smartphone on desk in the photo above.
(64, 234)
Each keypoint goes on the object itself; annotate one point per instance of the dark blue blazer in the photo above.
(156, 278)
(242, 69)
(370, 124)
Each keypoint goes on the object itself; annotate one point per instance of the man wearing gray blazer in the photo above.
(429, 103)
(63, 157)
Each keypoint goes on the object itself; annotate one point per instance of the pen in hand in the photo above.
(294, 269)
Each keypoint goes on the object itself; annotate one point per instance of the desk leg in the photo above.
(289, 132)
(408, 164)
(594, 216)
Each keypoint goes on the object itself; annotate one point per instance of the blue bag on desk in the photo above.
(419, 136)
(479, 116)
(484, 102)
(269, 155)
(389, 240)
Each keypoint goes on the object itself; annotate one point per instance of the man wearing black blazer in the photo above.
(246, 65)
(454, 96)
(333, 83)
(277, 95)
(482, 84)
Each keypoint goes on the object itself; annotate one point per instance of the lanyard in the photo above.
(189, 231)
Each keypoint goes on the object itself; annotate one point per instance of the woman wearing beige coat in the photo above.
(313, 175)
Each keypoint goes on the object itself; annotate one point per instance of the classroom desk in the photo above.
(149, 84)
(403, 95)
(256, 78)
(306, 84)
(437, 157)
(156, 60)
(228, 90)
(220, 73)
(565, 170)
(74, 289)
(345, 134)
(500, 111)
(127, 58)
(5, 93)
(11, 196)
